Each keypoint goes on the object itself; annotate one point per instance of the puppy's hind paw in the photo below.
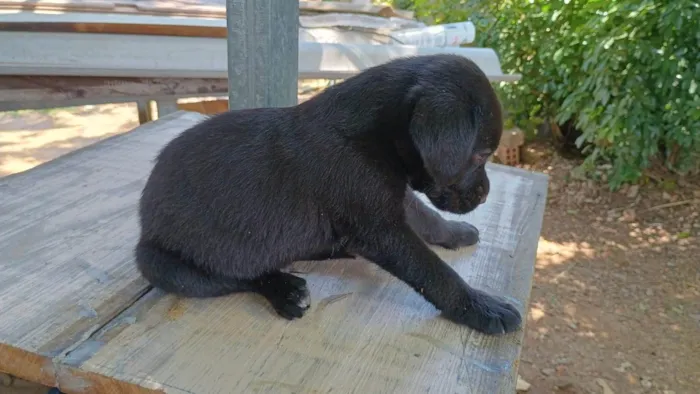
(287, 293)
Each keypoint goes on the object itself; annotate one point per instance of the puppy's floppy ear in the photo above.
(444, 134)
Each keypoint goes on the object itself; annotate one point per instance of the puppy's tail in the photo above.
(169, 272)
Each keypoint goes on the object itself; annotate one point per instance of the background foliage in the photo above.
(625, 73)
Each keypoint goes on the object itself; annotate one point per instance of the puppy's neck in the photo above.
(372, 111)
(369, 105)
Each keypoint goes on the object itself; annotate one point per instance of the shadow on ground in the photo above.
(616, 295)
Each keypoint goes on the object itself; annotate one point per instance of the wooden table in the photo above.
(76, 314)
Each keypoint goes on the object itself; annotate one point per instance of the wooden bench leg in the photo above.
(144, 109)
(166, 106)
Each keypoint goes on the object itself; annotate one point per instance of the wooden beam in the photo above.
(369, 9)
(201, 8)
(263, 52)
(36, 91)
(143, 107)
(181, 30)
(93, 22)
(166, 106)
(120, 55)
(38, 87)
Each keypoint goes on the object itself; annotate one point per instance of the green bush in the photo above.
(626, 72)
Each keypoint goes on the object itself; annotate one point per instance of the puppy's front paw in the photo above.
(287, 293)
(459, 234)
(486, 314)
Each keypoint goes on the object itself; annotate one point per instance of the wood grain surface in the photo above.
(201, 8)
(263, 53)
(69, 293)
(67, 237)
(120, 55)
(36, 88)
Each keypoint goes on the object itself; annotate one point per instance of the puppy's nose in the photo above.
(483, 198)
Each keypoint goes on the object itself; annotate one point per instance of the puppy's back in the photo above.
(237, 173)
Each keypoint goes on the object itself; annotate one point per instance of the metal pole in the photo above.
(263, 53)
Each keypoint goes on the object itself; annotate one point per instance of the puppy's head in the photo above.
(455, 125)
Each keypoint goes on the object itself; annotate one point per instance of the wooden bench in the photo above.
(143, 51)
(77, 315)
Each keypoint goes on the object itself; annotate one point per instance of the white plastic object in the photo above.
(451, 34)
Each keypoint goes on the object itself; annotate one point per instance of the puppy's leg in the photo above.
(435, 230)
(167, 271)
(398, 250)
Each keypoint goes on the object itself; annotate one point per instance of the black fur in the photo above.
(241, 195)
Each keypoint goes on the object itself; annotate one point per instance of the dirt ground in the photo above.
(615, 304)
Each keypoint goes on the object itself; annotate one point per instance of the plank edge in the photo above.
(531, 235)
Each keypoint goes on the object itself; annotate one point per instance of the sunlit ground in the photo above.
(29, 138)
(615, 303)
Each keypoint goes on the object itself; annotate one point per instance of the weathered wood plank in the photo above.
(166, 106)
(108, 23)
(200, 8)
(369, 9)
(366, 331)
(116, 55)
(370, 22)
(29, 88)
(207, 107)
(263, 53)
(67, 235)
(116, 28)
(331, 19)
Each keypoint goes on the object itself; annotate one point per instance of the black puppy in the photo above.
(243, 194)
